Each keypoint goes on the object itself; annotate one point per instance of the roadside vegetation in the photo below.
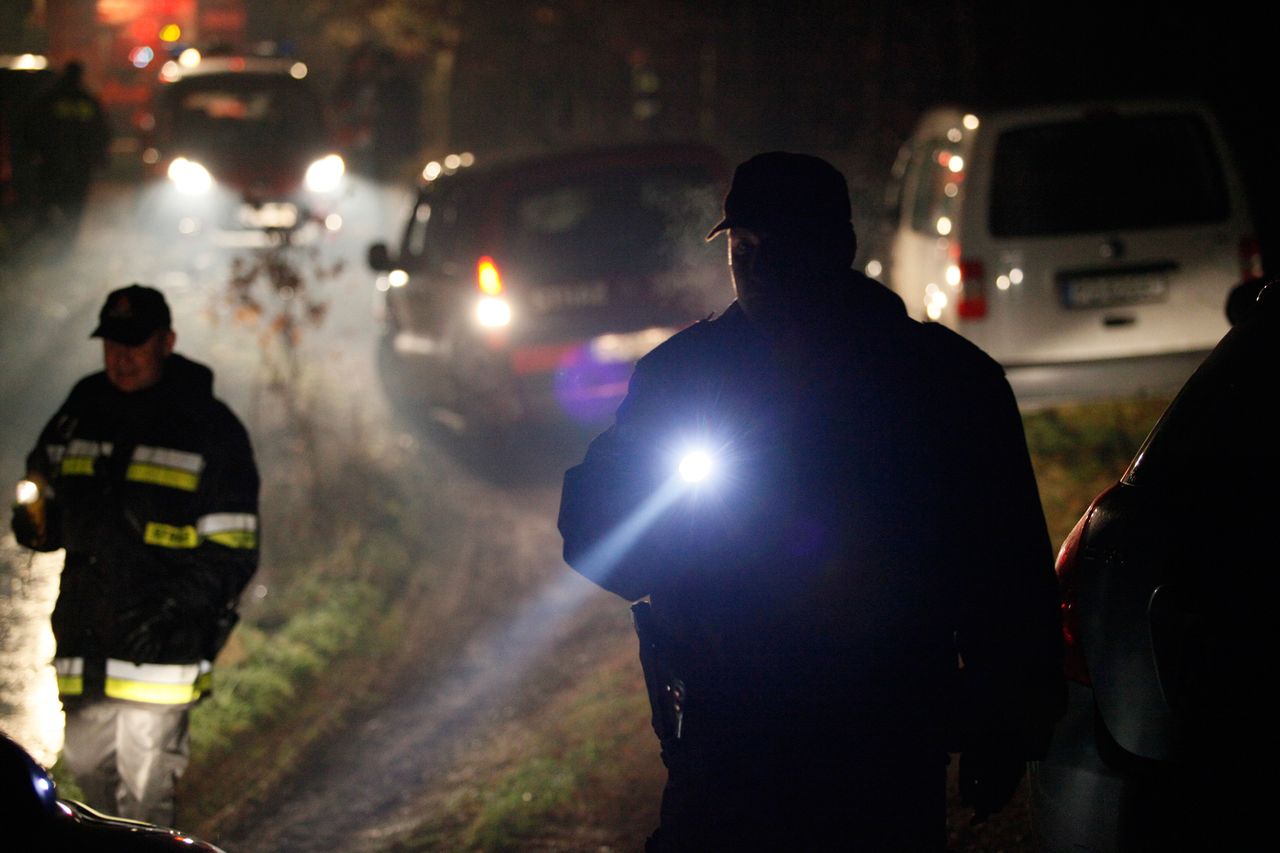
(578, 770)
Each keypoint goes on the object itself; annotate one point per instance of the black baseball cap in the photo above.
(782, 191)
(132, 314)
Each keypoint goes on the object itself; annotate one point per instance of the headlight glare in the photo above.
(493, 312)
(189, 176)
(324, 175)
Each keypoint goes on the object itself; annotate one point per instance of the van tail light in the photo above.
(972, 304)
(487, 277)
(1067, 568)
(1250, 258)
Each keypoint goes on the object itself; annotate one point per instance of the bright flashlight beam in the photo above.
(696, 466)
(599, 561)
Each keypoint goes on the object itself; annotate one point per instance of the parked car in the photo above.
(1086, 247)
(241, 143)
(525, 291)
(31, 809)
(1169, 588)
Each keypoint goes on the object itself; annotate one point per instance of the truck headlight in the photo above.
(324, 175)
(189, 176)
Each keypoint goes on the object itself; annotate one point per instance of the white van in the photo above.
(1088, 248)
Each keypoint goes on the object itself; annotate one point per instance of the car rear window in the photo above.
(620, 222)
(1106, 173)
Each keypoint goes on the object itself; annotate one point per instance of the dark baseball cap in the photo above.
(132, 314)
(782, 191)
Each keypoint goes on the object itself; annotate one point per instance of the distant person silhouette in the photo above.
(862, 582)
(69, 135)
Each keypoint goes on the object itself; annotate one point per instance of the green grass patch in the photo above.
(561, 777)
(278, 663)
(1080, 449)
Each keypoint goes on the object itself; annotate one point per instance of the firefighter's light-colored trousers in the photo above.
(127, 757)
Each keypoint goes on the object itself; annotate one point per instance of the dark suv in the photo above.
(527, 290)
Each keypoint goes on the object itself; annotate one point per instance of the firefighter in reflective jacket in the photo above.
(149, 483)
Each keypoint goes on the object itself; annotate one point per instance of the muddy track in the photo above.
(489, 624)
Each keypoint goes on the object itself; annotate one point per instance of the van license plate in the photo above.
(1112, 290)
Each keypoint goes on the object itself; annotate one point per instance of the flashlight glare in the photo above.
(27, 492)
(695, 466)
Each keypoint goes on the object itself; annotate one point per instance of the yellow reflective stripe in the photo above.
(235, 539)
(156, 694)
(70, 685)
(170, 536)
(77, 466)
(70, 675)
(204, 684)
(217, 522)
(167, 457)
(159, 475)
(86, 447)
(157, 683)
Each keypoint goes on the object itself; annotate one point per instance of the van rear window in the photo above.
(1108, 173)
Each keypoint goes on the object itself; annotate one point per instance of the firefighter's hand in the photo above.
(988, 779)
(25, 528)
(147, 630)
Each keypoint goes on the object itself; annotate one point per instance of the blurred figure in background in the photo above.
(69, 137)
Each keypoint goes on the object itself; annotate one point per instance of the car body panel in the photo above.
(30, 808)
(1169, 598)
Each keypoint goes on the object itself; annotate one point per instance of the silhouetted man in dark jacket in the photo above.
(859, 580)
(69, 133)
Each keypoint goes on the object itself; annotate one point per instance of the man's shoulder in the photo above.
(954, 350)
(704, 338)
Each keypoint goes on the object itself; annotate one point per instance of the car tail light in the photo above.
(487, 277)
(1068, 564)
(972, 304)
(1250, 258)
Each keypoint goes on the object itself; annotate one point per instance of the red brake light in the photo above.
(972, 304)
(1250, 258)
(487, 277)
(1068, 562)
